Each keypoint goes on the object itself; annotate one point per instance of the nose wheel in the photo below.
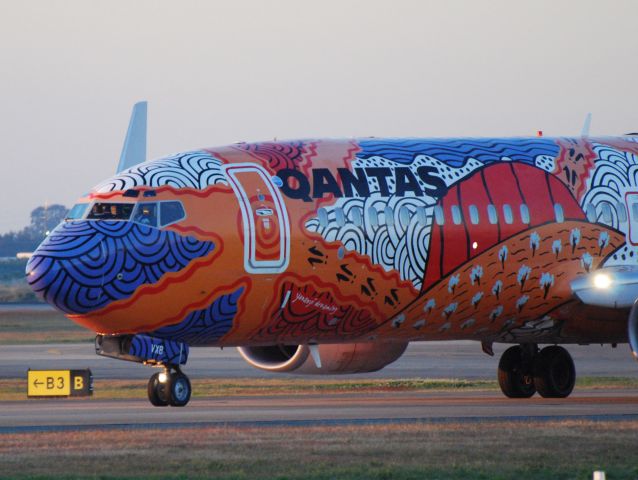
(169, 388)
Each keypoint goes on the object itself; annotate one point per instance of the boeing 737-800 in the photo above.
(330, 256)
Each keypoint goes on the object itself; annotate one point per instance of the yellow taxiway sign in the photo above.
(59, 383)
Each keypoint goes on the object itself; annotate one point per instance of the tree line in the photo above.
(43, 220)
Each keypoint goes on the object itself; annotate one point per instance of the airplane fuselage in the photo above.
(341, 241)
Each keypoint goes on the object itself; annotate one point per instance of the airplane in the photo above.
(329, 256)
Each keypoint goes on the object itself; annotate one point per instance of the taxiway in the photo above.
(360, 408)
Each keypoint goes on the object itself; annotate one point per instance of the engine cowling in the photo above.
(335, 359)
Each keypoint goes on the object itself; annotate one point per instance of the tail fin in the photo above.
(134, 149)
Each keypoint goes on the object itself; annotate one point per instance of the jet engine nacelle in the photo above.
(335, 359)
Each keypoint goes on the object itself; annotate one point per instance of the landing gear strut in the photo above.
(170, 387)
(524, 370)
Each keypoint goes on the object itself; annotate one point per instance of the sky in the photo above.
(216, 72)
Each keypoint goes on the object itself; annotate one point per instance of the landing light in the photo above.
(162, 377)
(602, 281)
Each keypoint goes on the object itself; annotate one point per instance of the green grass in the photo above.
(15, 389)
(47, 326)
(485, 450)
(13, 285)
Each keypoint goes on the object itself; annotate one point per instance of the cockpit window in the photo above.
(171, 212)
(146, 214)
(111, 211)
(77, 212)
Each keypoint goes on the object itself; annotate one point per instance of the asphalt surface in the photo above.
(459, 359)
(361, 408)
(431, 360)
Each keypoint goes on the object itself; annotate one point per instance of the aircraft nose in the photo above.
(83, 266)
(62, 269)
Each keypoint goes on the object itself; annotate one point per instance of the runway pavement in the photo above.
(386, 407)
(458, 359)
(432, 360)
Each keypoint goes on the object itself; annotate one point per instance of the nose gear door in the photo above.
(266, 227)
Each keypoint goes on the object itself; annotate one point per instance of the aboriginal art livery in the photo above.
(330, 256)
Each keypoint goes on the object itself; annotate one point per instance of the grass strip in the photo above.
(15, 389)
(487, 450)
(46, 326)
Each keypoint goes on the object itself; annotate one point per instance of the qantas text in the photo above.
(297, 186)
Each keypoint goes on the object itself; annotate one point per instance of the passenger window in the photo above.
(388, 213)
(590, 210)
(438, 215)
(339, 217)
(474, 215)
(421, 216)
(622, 213)
(146, 214)
(507, 214)
(525, 213)
(634, 209)
(558, 213)
(607, 216)
(404, 217)
(77, 212)
(456, 214)
(492, 214)
(171, 212)
(373, 217)
(322, 215)
(357, 219)
(111, 211)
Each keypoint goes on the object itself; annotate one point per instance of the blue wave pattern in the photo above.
(159, 350)
(83, 266)
(207, 326)
(456, 152)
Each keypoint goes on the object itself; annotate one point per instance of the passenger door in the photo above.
(266, 228)
(631, 199)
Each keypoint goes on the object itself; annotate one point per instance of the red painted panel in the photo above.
(485, 234)
(564, 197)
(533, 184)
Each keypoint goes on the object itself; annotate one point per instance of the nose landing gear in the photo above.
(524, 370)
(169, 388)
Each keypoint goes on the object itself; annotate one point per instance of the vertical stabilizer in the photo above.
(134, 149)
(586, 125)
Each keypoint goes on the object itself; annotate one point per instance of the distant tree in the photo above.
(496, 289)
(43, 220)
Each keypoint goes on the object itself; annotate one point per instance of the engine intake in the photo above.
(335, 359)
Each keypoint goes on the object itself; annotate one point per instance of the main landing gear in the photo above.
(524, 370)
(170, 387)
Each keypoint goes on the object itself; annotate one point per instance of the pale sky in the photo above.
(215, 72)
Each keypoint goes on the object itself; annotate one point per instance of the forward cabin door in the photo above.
(266, 228)
(631, 198)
